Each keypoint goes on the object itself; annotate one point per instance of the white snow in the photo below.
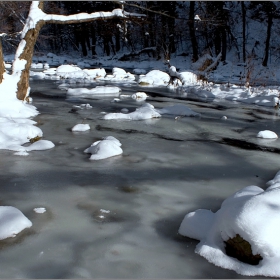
(39, 210)
(70, 71)
(104, 211)
(146, 111)
(40, 145)
(267, 134)
(99, 90)
(155, 77)
(254, 214)
(139, 96)
(81, 127)
(12, 222)
(108, 147)
(95, 73)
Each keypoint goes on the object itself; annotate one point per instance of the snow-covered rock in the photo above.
(40, 145)
(70, 71)
(154, 77)
(12, 222)
(139, 96)
(253, 214)
(187, 77)
(95, 73)
(267, 134)
(81, 127)
(108, 147)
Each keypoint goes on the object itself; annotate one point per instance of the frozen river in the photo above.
(119, 217)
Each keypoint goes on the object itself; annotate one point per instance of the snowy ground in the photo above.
(161, 152)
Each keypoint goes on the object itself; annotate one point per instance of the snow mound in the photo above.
(187, 77)
(10, 106)
(119, 74)
(95, 73)
(146, 111)
(70, 72)
(40, 145)
(154, 77)
(108, 147)
(16, 132)
(251, 213)
(267, 134)
(81, 127)
(139, 96)
(12, 222)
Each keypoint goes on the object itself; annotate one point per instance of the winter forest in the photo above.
(167, 28)
(139, 139)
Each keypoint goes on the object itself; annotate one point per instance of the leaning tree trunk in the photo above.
(27, 54)
(24, 53)
(2, 66)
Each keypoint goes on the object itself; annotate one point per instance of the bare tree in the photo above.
(37, 18)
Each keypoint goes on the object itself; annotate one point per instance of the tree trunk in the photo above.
(2, 66)
(192, 32)
(224, 44)
(27, 54)
(243, 30)
(217, 42)
(268, 34)
(118, 41)
(24, 53)
(83, 41)
(93, 41)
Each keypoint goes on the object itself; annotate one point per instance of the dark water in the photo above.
(119, 217)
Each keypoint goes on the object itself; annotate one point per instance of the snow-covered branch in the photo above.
(83, 17)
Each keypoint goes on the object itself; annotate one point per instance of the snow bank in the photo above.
(12, 222)
(10, 106)
(108, 147)
(251, 213)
